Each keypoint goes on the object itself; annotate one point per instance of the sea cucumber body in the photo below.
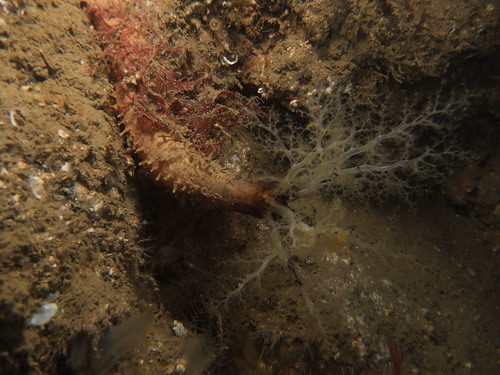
(175, 122)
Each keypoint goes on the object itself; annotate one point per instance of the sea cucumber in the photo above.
(175, 120)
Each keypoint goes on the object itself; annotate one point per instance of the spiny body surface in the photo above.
(176, 121)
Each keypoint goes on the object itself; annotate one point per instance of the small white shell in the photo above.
(48, 312)
(226, 61)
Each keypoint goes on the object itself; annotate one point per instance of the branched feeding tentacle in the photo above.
(363, 152)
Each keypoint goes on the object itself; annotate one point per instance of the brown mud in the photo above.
(84, 229)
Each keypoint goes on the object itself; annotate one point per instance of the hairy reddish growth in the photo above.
(176, 121)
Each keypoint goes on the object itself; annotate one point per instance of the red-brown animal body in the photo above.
(175, 121)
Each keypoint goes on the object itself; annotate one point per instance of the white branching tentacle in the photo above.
(374, 147)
